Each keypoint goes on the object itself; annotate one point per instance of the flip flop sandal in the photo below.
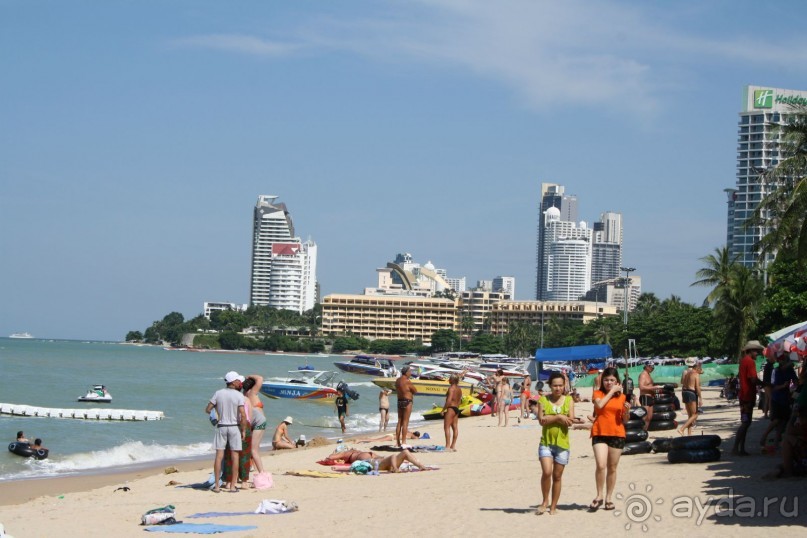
(609, 506)
(595, 505)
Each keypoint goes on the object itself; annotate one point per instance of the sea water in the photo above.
(54, 373)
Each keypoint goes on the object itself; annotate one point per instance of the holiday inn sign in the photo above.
(766, 99)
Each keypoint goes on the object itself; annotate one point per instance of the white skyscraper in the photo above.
(283, 268)
(552, 196)
(757, 151)
(567, 264)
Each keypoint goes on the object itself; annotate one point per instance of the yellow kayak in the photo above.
(469, 406)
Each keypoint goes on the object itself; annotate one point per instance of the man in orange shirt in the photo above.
(748, 393)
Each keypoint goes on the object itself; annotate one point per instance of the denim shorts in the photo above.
(560, 455)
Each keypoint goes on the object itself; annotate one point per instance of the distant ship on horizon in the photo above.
(21, 335)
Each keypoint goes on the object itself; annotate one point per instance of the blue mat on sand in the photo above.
(221, 514)
(199, 528)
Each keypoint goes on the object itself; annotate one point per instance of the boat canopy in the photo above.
(576, 353)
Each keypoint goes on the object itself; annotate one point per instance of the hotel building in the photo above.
(283, 267)
(503, 313)
(757, 151)
(389, 317)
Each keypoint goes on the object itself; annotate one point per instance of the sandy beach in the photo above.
(490, 485)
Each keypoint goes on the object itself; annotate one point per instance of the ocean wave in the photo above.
(362, 384)
(131, 453)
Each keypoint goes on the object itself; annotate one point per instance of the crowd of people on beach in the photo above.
(776, 389)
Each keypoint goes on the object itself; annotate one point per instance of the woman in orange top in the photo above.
(608, 434)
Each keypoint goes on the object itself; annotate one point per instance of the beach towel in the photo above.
(314, 474)
(200, 528)
(276, 506)
(328, 462)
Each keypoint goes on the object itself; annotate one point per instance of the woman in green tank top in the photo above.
(556, 414)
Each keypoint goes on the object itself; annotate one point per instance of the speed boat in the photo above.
(97, 394)
(302, 385)
(368, 365)
(434, 383)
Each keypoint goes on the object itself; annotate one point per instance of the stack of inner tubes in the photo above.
(635, 435)
(694, 449)
(663, 412)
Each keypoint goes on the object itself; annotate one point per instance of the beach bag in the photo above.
(360, 467)
(275, 506)
(158, 515)
(262, 480)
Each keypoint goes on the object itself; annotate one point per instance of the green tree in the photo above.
(737, 308)
(785, 300)
(444, 340)
(716, 273)
(485, 343)
(134, 336)
(783, 211)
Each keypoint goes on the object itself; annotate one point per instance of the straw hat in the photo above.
(753, 344)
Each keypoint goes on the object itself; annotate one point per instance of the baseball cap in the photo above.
(233, 376)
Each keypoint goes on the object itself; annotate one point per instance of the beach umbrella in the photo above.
(787, 340)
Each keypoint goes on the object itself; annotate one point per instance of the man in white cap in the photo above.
(748, 393)
(281, 438)
(231, 426)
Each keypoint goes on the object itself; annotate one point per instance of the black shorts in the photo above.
(780, 411)
(610, 440)
(689, 396)
(646, 400)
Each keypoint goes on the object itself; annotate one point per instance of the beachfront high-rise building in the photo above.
(606, 248)
(284, 269)
(552, 196)
(757, 151)
(567, 257)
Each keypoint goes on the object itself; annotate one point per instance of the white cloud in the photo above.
(600, 54)
(238, 43)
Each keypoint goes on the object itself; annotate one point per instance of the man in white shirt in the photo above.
(231, 427)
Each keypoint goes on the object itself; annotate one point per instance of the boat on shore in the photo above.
(21, 336)
(97, 394)
(435, 384)
(313, 385)
(368, 365)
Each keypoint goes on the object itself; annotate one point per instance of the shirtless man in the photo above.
(451, 412)
(691, 394)
(383, 409)
(647, 392)
(496, 381)
(405, 390)
(281, 439)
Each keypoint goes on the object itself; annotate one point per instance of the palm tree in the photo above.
(736, 310)
(716, 273)
(783, 212)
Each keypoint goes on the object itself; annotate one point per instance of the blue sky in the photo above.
(135, 138)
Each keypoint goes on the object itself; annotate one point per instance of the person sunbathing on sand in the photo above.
(393, 463)
(390, 437)
(390, 463)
